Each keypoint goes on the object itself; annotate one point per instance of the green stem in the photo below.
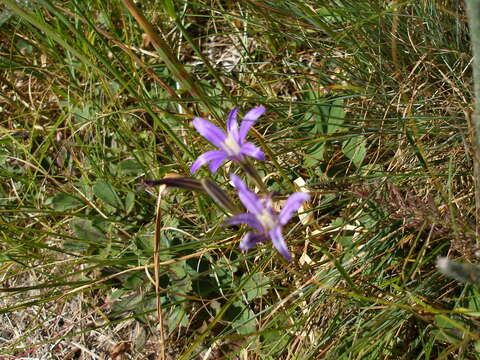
(254, 175)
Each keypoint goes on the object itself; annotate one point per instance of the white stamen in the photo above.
(267, 220)
(231, 147)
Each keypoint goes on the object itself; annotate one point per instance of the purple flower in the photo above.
(263, 218)
(232, 145)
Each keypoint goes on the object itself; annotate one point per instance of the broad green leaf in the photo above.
(354, 148)
(337, 222)
(316, 151)
(180, 279)
(244, 322)
(224, 271)
(257, 286)
(25, 46)
(107, 193)
(85, 230)
(83, 114)
(178, 317)
(130, 166)
(474, 299)
(130, 302)
(129, 202)
(86, 233)
(63, 201)
(344, 241)
(315, 154)
(133, 281)
(329, 117)
(144, 239)
(336, 116)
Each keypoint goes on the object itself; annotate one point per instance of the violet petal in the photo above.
(248, 198)
(212, 155)
(250, 240)
(279, 242)
(291, 206)
(215, 164)
(251, 150)
(209, 131)
(248, 219)
(248, 121)
(232, 125)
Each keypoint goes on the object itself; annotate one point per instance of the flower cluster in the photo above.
(260, 216)
(263, 218)
(232, 145)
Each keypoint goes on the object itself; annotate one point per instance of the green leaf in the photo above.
(244, 322)
(345, 241)
(63, 202)
(75, 246)
(144, 239)
(178, 317)
(25, 46)
(373, 170)
(315, 154)
(129, 202)
(131, 302)
(83, 113)
(354, 148)
(446, 331)
(180, 280)
(170, 8)
(107, 193)
(85, 230)
(133, 282)
(474, 299)
(276, 340)
(224, 274)
(257, 286)
(336, 117)
(130, 166)
(329, 118)
(321, 114)
(477, 346)
(86, 233)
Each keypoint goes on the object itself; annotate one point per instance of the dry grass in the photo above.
(403, 82)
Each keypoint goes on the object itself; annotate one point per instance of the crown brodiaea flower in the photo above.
(232, 145)
(263, 218)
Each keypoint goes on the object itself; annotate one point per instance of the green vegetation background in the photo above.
(368, 104)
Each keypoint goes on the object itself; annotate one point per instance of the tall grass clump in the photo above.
(367, 111)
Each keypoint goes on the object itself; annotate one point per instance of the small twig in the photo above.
(473, 14)
(156, 262)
